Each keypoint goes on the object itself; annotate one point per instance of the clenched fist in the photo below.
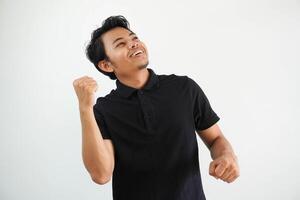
(225, 167)
(85, 88)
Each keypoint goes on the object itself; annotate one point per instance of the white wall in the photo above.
(244, 54)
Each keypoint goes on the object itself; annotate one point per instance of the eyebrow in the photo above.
(131, 33)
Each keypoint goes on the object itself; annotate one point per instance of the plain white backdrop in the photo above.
(244, 55)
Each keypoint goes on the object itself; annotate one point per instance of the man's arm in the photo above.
(97, 153)
(224, 164)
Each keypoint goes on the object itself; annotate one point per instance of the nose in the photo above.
(134, 44)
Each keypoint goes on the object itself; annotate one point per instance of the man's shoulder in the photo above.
(172, 77)
(176, 80)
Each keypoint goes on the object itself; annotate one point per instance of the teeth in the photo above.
(135, 53)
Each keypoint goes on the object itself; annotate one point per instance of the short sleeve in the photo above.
(204, 115)
(101, 123)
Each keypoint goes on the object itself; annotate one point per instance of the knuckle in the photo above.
(81, 84)
(237, 171)
(224, 162)
(227, 162)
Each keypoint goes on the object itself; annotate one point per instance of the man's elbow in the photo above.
(103, 176)
(101, 180)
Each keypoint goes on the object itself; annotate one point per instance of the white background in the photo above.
(244, 55)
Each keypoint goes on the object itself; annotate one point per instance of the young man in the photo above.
(142, 134)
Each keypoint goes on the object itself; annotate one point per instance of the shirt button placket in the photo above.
(145, 109)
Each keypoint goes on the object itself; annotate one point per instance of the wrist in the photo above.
(230, 153)
(84, 109)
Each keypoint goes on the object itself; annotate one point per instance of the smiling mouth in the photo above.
(137, 53)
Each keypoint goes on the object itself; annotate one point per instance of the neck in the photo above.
(136, 80)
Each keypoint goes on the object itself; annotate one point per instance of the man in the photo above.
(142, 134)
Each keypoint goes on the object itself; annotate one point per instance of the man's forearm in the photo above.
(220, 147)
(95, 155)
(225, 163)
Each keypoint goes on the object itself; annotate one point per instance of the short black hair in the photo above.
(95, 51)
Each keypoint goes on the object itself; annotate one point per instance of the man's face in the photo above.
(126, 52)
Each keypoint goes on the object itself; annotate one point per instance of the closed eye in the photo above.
(121, 43)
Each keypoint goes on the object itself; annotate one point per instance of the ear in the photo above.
(105, 66)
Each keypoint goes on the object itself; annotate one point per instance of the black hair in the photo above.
(95, 51)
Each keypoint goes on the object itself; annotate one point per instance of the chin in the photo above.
(142, 66)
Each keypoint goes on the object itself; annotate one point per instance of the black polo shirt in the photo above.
(153, 132)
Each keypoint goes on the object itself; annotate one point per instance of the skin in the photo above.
(129, 70)
(98, 153)
(132, 71)
(225, 163)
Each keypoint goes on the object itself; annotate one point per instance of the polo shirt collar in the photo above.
(126, 91)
